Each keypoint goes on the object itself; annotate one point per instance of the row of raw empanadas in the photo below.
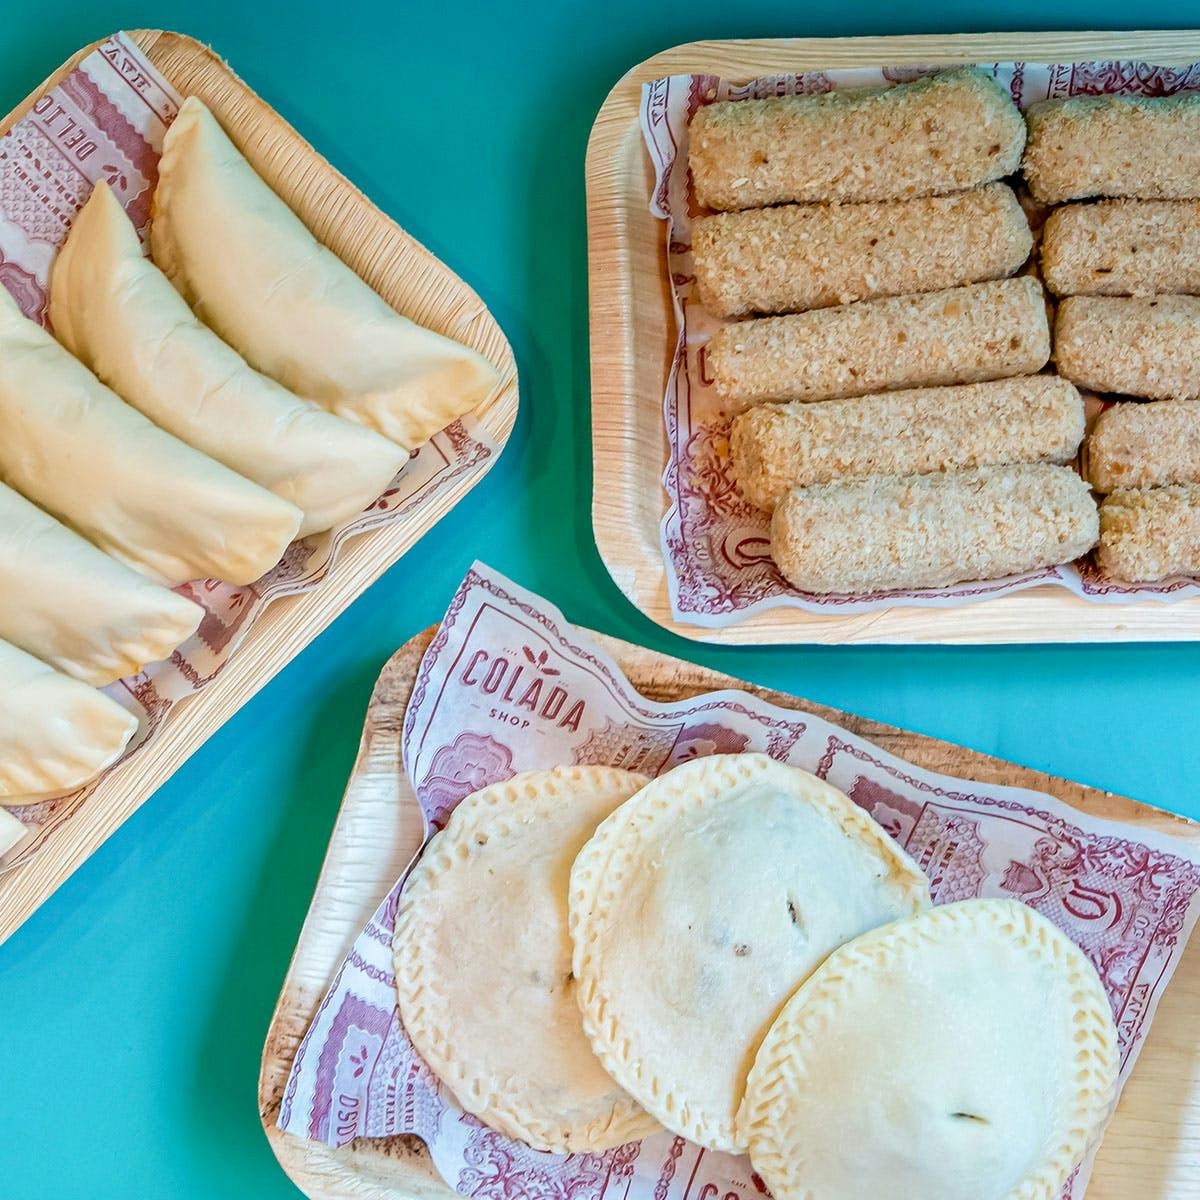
(141, 450)
(756, 966)
(120, 316)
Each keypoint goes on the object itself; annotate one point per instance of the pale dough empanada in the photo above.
(696, 910)
(121, 317)
(967, 1053)
(56, 734)
(11, 831)
(483, 962)
(72, 606)
(80, 452)
(254, 273)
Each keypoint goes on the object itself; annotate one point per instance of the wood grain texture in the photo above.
(1149, 1149)
(633, 332)
(406, 275)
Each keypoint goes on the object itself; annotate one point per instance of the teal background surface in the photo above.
(133, 1005)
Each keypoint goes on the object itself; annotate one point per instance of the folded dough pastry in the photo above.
(968, 1053)
(483, 962)
(80, 452)
(11, 831)
(254, 273)
(121, 317)
(72, 606)
(697, 909)
(56, 733)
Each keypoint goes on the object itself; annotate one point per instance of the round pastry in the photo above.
(967, 1053)
(697, 909)
(483, 962)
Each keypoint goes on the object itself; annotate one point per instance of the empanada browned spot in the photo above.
(697, 909)
(966, 1053)
(483, 962)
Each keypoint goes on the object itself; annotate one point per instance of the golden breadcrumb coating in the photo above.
(960, 335)
(1129, 345)
(1145, 445)
(888, 533)
(1114, 146)
(1123, 248)
(801, 256)
(1150, 535)
(943, 133)
(776, 447)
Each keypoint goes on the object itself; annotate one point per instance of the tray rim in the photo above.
(323, 1173)
(628, 499)
(289, 624)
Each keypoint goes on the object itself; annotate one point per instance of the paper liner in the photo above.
(508, 686)
(106, 120)
(716, 545)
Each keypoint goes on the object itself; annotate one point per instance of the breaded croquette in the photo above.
(802, 256)
(961, 335)
(1145, 445)
(1123, 248)
(940, 134)
(1132, 346)
(1150, 535)
(1148, 149)
(888, 533)
(776, 447)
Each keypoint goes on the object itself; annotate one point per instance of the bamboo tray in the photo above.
(633, 332)
(1148, 1151)
(407, 275)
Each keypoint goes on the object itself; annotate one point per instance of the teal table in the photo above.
(133, 1005)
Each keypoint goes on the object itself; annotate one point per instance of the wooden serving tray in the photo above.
(406, 275)
(633, 339)
(1149, 1149)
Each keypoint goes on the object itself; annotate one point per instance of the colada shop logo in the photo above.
(525, 686)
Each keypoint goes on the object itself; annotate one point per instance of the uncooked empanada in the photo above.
(967, 1053)
(121, 317)
(483, 962)
(56, 734)
(11, 831)
(80, 452)
(72, 606)
(697, 909)
(254, 273)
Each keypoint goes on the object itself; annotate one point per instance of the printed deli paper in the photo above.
(507, 686)
(106, 120)
(719, 569)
